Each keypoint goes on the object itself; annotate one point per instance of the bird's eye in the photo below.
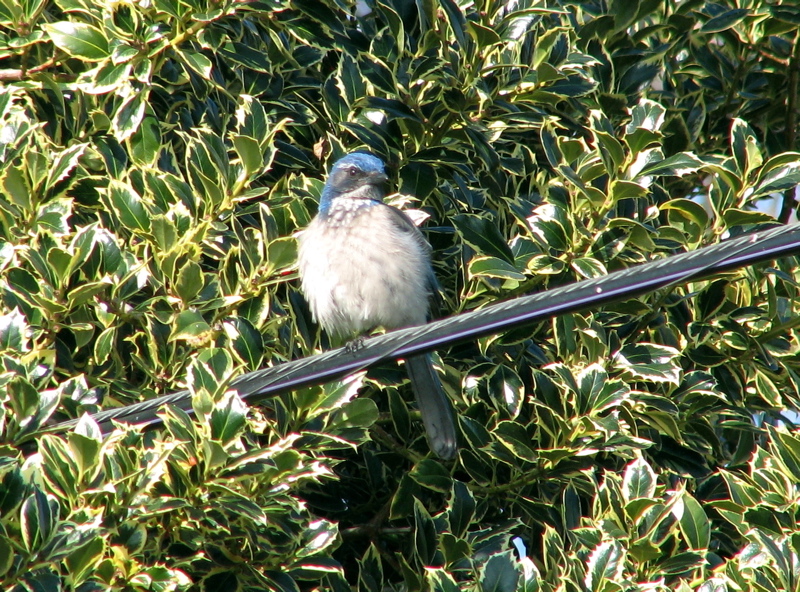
(352, 171)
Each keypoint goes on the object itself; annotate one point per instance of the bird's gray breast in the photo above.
(360, 269)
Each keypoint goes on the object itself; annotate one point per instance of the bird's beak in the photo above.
(378, 178)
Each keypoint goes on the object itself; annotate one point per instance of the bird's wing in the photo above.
(403, 223)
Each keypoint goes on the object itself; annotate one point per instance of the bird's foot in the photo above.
(354, 345)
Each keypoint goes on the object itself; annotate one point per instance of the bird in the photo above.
(364, 264)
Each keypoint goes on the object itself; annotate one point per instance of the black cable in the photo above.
(260, 384)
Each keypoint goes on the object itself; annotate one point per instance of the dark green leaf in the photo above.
(500, 573)
(462, 509)
(417, 179)
(458, 23)
(393, 108)
(724, 21)
(227, 422)
(481, 234)
(431, 474)
(425, 546)
(371, 571)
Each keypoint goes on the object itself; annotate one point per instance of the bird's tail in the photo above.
(435, 407)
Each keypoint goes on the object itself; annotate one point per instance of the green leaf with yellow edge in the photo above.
(189, 281)
(246, 341)
(431, 474)
(190, 325)
(82, 561)
(359, 413)
(693, 522)
(16, 188)
(281, 253)
(500, 573)
(197, 62)
(38, 520)
(145, 142)
(639, 480)
(129, 115)
(493, 267)
(13, 332)
(128, 206)
(79, 40)
(649, 361)
(63, 163)
(440, 580)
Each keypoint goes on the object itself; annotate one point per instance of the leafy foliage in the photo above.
(157, 159)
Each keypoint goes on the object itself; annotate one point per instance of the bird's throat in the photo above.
(344, 210)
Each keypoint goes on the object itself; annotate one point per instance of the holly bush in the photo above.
(158, 157)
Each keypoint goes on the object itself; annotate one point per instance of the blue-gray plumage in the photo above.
(364, 264)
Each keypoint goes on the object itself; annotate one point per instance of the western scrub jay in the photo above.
(364, 264)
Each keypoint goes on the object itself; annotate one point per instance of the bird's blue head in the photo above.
(357, 176)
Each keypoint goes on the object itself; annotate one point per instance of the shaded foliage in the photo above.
(157, 159)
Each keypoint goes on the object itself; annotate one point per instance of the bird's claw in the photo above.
(354, 345)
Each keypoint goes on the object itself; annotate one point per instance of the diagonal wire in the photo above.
(619, 285)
